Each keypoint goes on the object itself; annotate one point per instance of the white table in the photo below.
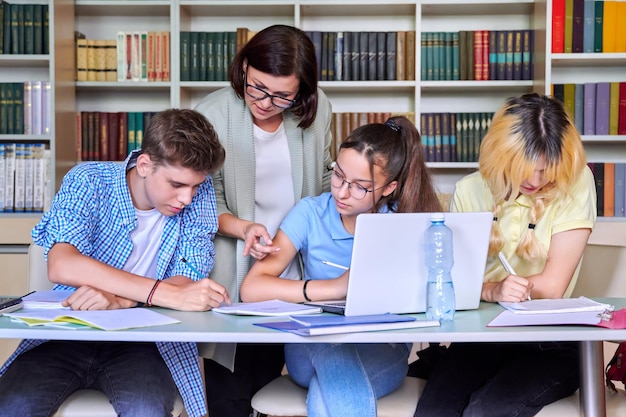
(468, 326)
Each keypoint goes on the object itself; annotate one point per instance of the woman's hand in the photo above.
(253, 233)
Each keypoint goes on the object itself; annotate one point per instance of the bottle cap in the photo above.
(437, 217)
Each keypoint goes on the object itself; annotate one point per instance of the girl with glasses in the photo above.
(379, 168)
(274, 123)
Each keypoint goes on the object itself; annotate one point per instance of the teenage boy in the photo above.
(122, 235)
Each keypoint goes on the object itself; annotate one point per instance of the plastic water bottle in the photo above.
(440, 302)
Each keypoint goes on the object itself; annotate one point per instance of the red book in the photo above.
(558, 26)
(114, 137)
(478, 55)
(122, 149)
(485, 59)
(621, 121)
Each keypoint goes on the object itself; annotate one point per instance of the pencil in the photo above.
(345, 268)
(193, 268)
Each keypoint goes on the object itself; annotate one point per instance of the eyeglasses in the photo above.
(260, 94)
(357, 191)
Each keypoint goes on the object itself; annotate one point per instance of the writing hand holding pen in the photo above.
(217, 293)
(507, 266)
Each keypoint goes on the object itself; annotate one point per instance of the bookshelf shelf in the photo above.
(589, 60)
(32, 61)
(477, 86)
(102, 18)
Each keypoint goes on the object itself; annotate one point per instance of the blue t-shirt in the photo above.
(314, 227)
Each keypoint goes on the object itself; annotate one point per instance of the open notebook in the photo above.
(387, 270)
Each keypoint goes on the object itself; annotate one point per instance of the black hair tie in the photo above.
(393, 125)
(531, 226)
(495, 219)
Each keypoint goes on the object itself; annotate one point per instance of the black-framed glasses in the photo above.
(356, 190)
(260, 94)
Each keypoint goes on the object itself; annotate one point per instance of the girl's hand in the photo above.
(512, 289)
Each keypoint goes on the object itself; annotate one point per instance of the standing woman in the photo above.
(533, 177)
(274, 123)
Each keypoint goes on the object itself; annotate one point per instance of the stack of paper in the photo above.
(120, 319)
(334, 324)
(46, 299)
(267, 308)
(580, 310)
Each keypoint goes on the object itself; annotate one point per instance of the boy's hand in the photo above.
(200, 295)
(88, 298)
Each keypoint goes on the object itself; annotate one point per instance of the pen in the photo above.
(507, 266)
(26, 295)
(345, 268)
(193, 268)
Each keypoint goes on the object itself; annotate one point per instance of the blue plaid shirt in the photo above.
(93, 211)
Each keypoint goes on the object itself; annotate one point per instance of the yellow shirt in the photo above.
(577, 210)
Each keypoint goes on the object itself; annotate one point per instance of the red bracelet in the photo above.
(154, 287)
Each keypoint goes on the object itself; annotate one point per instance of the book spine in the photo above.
(401, 55)
(609, 189)
(338, 58)
(9, 179)
(603, 98)
(517, 55)
(390, 55)
(527, 47)
(185, 56)
(588, 26)
(346, 64)
(478, 55)
(493, 54)
(411, 50)
(508, 72)
(569, 24)
(589, 124)
(598, 25)
(501, 55)
(613, 108)
(121, 56)
(38, 177)
(620, 189)
(621, 124)
(99, 47)
(609, 18)
(28, 177)
(558, 26)
(579, 107)
(20, 174)
(598, 173)
(578, 26)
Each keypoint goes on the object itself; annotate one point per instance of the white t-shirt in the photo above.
(274, 183)
(146, 242)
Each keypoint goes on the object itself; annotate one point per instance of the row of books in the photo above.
(597, 108)
(344, 123)
(587, 26)
(610, 181)
(24, 108)
(109, 136)
(453, 137)
(24, 177)
(206, 56)
(477, 55)
(132, 56)
(24, 28)
(364, 56)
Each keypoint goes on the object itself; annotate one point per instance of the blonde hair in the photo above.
(523, 131)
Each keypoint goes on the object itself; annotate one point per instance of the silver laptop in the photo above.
(387, 270)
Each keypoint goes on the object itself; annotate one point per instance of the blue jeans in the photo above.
(499, 379)
(344, 380)
(132, 375)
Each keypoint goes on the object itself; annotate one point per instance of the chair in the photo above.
(282, 397)
(85, 402)
(602, 274)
